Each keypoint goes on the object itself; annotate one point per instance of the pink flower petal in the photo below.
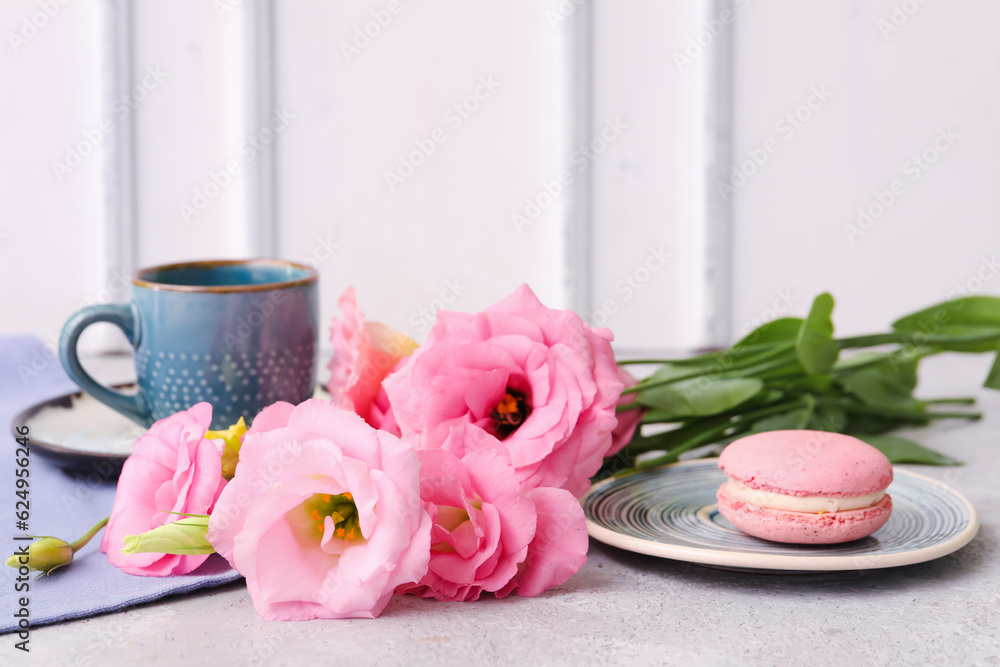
(628, 421)
(173, 468)
(565, 369)
(560, 545)
(260, 526)
(272, 417)
(364, 353)
(483, 523)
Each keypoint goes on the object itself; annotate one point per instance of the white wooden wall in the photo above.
(501, 98)
(899, 74)
(252, 127)
(53, 242)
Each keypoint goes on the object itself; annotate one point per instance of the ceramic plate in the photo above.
(78, 432)
(671, 512)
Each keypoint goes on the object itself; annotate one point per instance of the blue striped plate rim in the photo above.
(671, 512)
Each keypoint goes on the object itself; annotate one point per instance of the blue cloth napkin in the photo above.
(65, 505)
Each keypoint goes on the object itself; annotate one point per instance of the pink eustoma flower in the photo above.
(364, 353)
(173, 468)
(323, 516)
(628, 420)
(482, 522)
(539, 379)
(559, 547)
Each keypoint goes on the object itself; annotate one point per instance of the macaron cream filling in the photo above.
(808, 504)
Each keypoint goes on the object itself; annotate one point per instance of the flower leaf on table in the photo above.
(781, 330)
(790, 373)
(889, 382)
(904, 450)
(797, 418)
(968, 324)
(699, 396)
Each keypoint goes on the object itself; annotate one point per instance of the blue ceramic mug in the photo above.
(238, 334)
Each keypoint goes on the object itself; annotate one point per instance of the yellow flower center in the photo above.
(340, 508)
(233, 437)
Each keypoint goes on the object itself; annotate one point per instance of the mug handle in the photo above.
(124, 317)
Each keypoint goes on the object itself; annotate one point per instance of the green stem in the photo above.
(781, 380)
(630, 362)
(755, 351)
(958, 400)
(899, 413)
(870, 340)
(851, 365)
(642, 386)
(760, 369)
(671, 455)
(944, 340)
(904, 337)
(746, 367)
(82, 542)
(634, 405)
(810, 401)
(701, 433)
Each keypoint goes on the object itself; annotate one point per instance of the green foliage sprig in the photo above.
(790, 373)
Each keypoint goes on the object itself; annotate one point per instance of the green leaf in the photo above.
(665, 374)
(698, 432)
(815, 384)
(668, 372)
(778, 353)
(767, 397)
(872, 424)
(734, 358)
(966, 317)
(698, 397)
(781, 330)
(815, 347)
(794, 419)
(889, 382)
(185, 537)
(903, 450)
(861, 359)
(779, 361)
(828, 418)
(694, 430)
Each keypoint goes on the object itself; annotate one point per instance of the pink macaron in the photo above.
(805, 487)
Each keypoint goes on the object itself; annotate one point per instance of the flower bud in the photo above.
(185, 537)
(44, 555)
(48, 553)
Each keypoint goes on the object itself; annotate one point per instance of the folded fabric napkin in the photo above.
(65, 505)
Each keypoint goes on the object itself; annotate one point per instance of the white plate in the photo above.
(671, 512)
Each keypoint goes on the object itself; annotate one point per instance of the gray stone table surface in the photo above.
(624, 608)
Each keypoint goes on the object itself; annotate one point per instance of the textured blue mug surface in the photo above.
(238, 334)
